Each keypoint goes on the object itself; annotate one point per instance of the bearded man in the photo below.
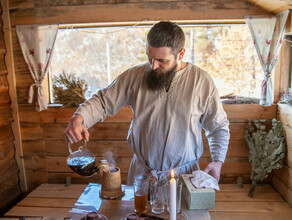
(172, 101)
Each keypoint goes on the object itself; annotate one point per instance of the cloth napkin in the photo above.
(204, 180)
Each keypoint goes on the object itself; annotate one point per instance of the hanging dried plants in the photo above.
(267, 149)
(69, 90)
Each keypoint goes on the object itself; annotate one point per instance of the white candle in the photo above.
(172, 198)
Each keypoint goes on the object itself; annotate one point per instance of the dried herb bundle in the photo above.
(235, 99)
(69, 90)
(267, 148)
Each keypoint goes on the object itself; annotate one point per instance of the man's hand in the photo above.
(75, 129)
(214, 169)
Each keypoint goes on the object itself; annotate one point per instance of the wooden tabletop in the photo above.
(54, 201)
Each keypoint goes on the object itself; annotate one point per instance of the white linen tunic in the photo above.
(166, 130)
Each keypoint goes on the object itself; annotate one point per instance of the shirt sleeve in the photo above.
(107, 101)
(216, 126)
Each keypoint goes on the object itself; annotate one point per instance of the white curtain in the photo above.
(267, 33)
(37, 43)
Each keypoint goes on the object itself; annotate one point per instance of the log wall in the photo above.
(45, 149)
(9, 187)
(43, 146)
(282, 180)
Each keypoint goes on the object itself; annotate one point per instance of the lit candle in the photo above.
(172, 198)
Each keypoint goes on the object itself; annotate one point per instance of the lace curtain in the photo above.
(37, 43)
(267, 33)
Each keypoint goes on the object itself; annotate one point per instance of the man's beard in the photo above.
(157, 80)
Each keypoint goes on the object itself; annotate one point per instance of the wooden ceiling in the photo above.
(272, 6)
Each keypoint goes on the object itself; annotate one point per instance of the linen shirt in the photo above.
(166, 130)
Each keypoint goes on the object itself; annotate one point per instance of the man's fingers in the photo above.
(86, 133)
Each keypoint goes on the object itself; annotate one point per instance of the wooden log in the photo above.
(27, 16)
(35, 178)
(28, 114)
(98, 148)
(231, 165)
(5, 115)
(24, 78)
(283, 189)
(59, 164)
(288, 135)
(245, 188)
(242, 197)
(10, 181)
(63, 115)
(2, 44)
(285, 175)
(237, 148)
(100, 131)
(236, 112)
(16, 4)
(119, 131)
(288, 157)
(31, 132)
(6, 148)
(3, 84)
(10, 195)
(12, 92)
(136, 11)
(284, 115)
(35, 163)
(288, 138)
(230, 170)
(4, 99)
(3, 70)
(5, 133)
(261, 207)
(34, 147)
(75, 178)
(8, 168)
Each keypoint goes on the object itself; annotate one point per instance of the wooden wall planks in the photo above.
(42, 132)
(282, 180)
(9, 187)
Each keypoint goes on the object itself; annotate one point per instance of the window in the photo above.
(100, 54)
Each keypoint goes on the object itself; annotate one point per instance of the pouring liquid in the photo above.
(84, 166)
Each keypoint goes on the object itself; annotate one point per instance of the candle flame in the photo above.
(172, 173)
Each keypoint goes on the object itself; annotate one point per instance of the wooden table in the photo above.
(54, 201)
